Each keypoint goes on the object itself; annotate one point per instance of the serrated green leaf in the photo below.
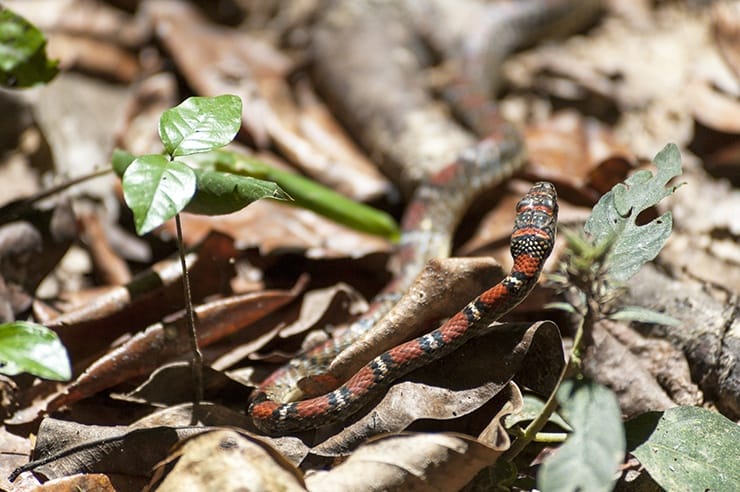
(591, 455)
(223, 193)
(156, 189)
(200, 124)
(643, 315)
(613, 218)
(35, 349)
(687, 448)
(23, 60)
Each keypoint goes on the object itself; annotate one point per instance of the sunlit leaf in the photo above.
(200, 124)
(613, 219)
(35, 349)
(156, 189)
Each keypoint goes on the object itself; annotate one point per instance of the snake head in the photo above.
(536, 222)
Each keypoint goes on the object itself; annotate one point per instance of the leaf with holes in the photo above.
(687, 448)
(614, 217)
(35, 349)
(591, 455)
(156, 189)
(200, 124)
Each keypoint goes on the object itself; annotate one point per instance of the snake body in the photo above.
(531, 243)
(427, 227)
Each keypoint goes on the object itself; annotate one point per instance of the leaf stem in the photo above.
(530, 433)
(197, 356)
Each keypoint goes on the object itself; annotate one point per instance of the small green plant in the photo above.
(611, 248)
(158, 187)
(600, 260)
(27, 347)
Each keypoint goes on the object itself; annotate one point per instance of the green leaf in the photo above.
(223, 193)
(687, 448)
(643, 315)
(562, 306)
(590, 457)
(121, 160)
(613, 218)
(531, 408)
(200, 124)
(156, 189)
(23, 60)
(308, 194)
(32, 348)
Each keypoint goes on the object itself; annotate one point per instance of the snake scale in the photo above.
(531, 243)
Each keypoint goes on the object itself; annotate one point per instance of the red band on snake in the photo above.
(531, 243)
(427, 227)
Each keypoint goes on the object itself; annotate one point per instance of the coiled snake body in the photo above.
(432, 215)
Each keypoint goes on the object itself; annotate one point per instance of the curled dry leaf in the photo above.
(149, 296)
(226, 460)
(319, 304)
(605, 361)
(409, 462)
(440, 290)
(712, 108)
(164, 341)
(66, 448)
(580, 155)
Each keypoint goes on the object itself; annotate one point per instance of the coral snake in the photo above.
(430, 218)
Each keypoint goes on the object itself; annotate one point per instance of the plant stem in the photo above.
(550, 405)
(197, 360)
(13, 212)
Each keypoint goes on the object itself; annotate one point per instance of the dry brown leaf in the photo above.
(161, 342)
(275, 227)
(319, 126)
(14, 452)
(569, 150)
(712, 108)
(151, 295)
(319, 306)
(225, 460)
(726, 27)
(81, 481)
(419, 462)
(217, 61)
(443, 286)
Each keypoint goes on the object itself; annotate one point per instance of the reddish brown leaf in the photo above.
(163, 341)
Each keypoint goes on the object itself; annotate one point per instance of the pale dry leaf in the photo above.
(225, 460)
(318, 304)
(275, 227)
(433, 462)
